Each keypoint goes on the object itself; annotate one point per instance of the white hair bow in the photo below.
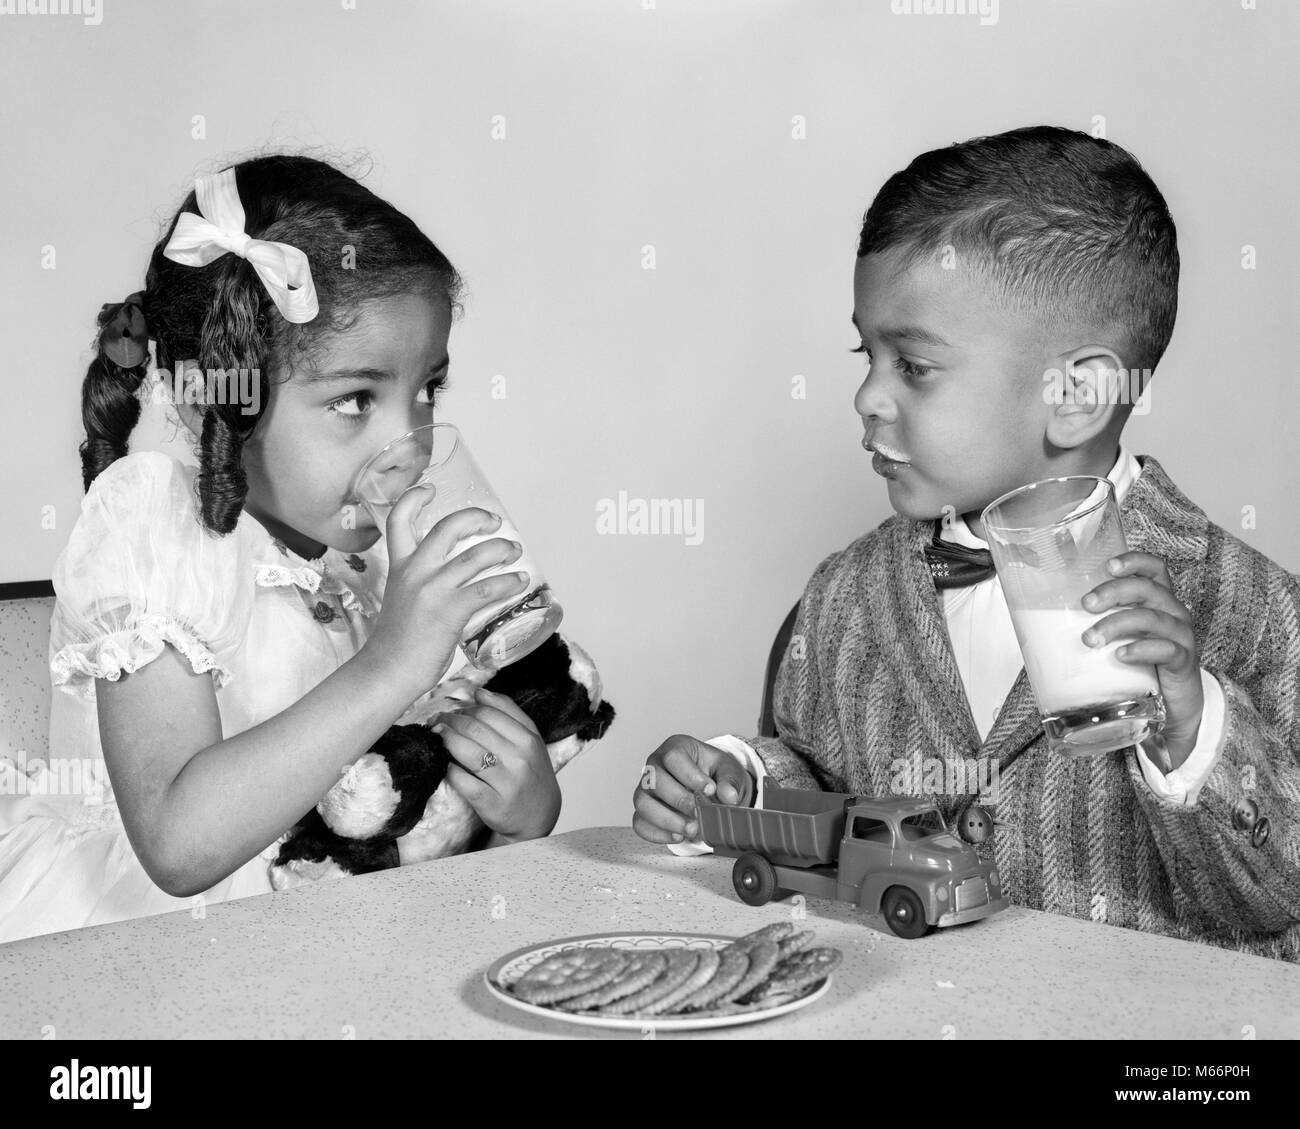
(196, 241)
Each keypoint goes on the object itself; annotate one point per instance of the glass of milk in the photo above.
(1050, 542)
(436, 453)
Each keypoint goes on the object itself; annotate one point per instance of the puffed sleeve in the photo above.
(140, 571)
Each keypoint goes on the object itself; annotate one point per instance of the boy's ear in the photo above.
(1084, 392)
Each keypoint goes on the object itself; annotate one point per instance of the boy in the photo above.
(1000, 285)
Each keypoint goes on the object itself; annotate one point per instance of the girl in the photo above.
(218, 635)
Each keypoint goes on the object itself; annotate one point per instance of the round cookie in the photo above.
(681, 963)
(732, 967)
(641, 970)
(793, 944)
(797, 971)
(777, 931)
(570, 973)
(705, 970)
(762, 959)
(805, 967)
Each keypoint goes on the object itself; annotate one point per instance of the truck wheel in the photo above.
(904, 913)
(754, 879)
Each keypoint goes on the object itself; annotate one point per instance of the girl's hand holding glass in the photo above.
(436, 455)
(429, 599)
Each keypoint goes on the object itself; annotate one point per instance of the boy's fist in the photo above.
(1160, 627)
(681, 768)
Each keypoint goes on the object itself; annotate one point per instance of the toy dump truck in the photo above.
(892, 856)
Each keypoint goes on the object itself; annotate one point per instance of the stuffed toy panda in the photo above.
(393, 807)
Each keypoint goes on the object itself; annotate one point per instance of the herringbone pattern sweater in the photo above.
(869, 679)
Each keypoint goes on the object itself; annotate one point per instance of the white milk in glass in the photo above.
(510, 532)
(421, 527)
(1066, 674)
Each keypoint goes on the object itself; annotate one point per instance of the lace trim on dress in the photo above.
(130, 649)
(316, 579)
(278, 576)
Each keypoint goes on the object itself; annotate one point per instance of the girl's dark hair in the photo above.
(359, 247)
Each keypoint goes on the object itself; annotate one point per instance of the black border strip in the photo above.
(26, 590)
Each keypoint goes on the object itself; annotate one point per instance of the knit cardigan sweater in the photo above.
(869, 685)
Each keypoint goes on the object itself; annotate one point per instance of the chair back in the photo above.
(766, 721)
(25, 690)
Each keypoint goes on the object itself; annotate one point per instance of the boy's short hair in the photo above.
(1060, 222)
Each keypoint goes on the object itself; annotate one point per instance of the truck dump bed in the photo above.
(796, 826)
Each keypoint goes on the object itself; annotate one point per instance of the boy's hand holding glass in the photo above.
(1163, 628)
(429, 600)
(681, 768)
(502, 770)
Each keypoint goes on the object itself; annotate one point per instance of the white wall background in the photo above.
(670, 126)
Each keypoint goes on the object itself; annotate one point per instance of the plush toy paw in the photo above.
(382, 795)
(392, 805)
(312, 852)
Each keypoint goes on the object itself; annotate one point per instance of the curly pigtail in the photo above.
(232, 338)
(110, 405)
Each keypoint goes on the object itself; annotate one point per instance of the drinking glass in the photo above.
(1050, 542)
(437, 453)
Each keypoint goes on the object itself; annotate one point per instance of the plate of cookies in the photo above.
(668, 981)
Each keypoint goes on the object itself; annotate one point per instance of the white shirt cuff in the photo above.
(749, 760)
(1183, 785)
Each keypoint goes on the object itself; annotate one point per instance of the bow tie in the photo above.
(956, 566)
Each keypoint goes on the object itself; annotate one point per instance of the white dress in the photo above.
(138, 572)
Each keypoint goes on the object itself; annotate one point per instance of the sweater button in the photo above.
(1245, 813)
(975, 825)
(1259, 836)
(323, 612)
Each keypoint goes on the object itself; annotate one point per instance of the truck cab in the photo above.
(899, 859)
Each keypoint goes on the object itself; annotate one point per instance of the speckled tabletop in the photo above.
(402, 954)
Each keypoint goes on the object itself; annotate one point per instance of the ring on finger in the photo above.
(489, 759)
